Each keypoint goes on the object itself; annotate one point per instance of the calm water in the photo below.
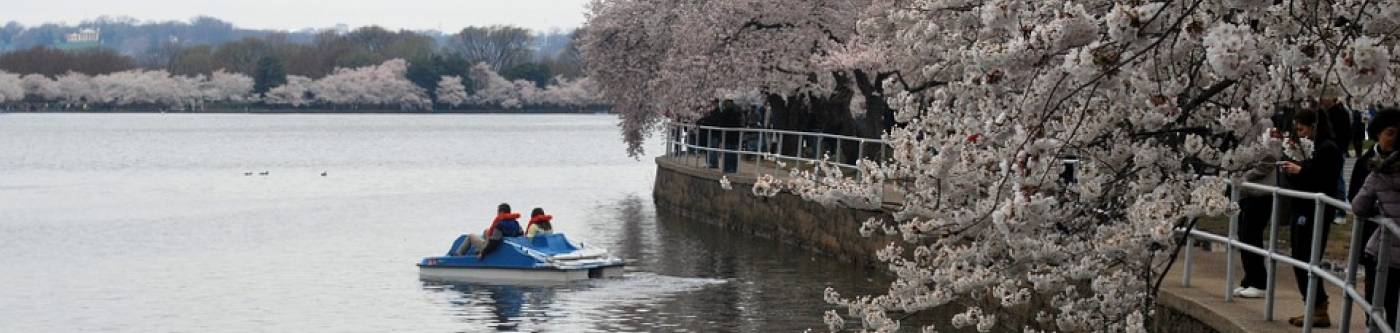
(147, 223)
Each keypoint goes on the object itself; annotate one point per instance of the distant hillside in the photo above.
(137, 39)
(151, 43)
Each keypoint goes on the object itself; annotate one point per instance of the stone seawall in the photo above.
(695, 194)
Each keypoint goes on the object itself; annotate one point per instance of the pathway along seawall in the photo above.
(694, 194)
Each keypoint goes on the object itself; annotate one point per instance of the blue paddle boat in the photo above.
(543, 258)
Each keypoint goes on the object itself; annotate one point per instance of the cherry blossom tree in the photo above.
(293, 93)
(142, 87)
(1161, 104)
(227, 86)
(75, 88)
(495, 90)
(383, 84)
(569, 93)
(41, 87)
(11, 87)
(655, 60)
(450, 91)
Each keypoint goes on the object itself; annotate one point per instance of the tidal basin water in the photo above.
(152, 223)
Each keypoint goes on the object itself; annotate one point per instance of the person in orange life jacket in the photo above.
(539, 223)
(505, 225)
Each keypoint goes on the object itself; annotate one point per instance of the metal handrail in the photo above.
(788, 132)
(1316, 273)
(678, 141)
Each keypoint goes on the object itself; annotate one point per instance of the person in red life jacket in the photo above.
(504, 225)
(539, 223)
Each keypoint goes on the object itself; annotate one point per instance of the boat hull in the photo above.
(497, 275)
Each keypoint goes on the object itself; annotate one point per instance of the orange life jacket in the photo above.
(500, 217)
(540, 219)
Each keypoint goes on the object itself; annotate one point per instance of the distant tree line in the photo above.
(385, 86)
(204, 46)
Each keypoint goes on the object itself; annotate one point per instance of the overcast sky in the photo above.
(445, 15)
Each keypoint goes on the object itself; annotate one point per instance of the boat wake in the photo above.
(648, 284)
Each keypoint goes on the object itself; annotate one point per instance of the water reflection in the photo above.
(508, 306)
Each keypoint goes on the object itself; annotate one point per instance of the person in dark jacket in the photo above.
(1380, 197)
(1320, 172)
(504, 225)
(1342, 134)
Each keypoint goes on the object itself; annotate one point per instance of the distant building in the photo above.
(85, 35)
(85, 38)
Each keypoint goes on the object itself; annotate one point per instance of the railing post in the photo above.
(724, 150)
(697, 146)
(1311, 298)
(780, 146)
(1272, 269)
(691, 135)
(710, 147)
(881, 162)
(860, 151)
(839, 158)
(802, 145)
(1382, 275)
(758, 158)
(739, 156)
(1230, 246)
(1186, 273)
(1353, 256)
(671, 139)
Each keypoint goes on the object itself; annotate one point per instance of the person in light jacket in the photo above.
(1379, 196)
(1256, 211)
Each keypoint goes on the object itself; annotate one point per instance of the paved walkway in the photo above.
(1205, 298)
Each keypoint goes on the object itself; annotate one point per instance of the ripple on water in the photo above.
(621, 304)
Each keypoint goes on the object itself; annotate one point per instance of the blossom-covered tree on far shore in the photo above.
(450, 91)
(136, 87)
(226, 86)
(11, 87)
(384, 84)
(1161, 104)
(41, 87)
(292, 93)
(494, 89)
